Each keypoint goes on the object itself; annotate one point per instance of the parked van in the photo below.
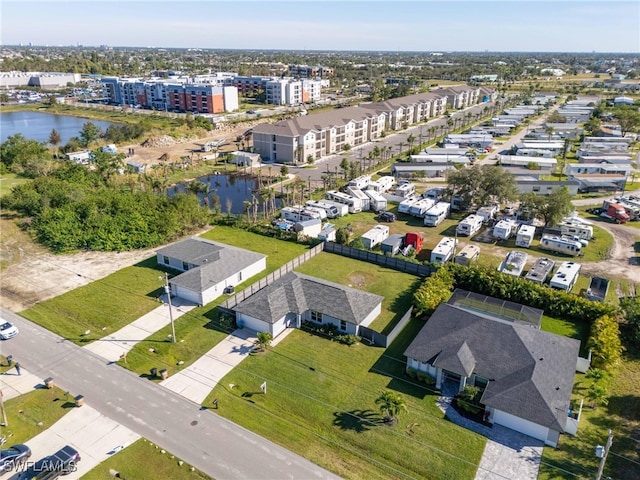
(525, 235)
(436, 214)
(470, 225)
(467, 255)
(444, 250)
(560, 245)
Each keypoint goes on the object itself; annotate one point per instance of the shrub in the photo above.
(412, 372)
(469, 399)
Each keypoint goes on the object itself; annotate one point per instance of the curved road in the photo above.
(201, 438)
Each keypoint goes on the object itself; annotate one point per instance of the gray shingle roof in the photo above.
(530, 372)
(295, 292)
(215, 262)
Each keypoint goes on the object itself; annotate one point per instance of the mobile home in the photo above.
(330, 210)
(405, 205)
(298, 213)
(360, 195)
(540, 270)
(392, 245)
(514, 263)
(566, 276)
(436, 214)
(341, 208)
(467, 255)
(504, 229)
(375, 236)
(419, 208)
(354, 204)
(377, 202)
(525, 235)
(560, 245)
(470, 225)
(444, 250)
(360, 182)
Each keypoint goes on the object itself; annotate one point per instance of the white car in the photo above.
(8, 330)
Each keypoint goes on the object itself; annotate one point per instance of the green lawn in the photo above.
(144, 459)
(397, 288)
(577, 330)
(8, 181)
(320, 403)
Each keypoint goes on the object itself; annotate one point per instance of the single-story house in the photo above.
(245, 159)
(295, 298)
(209, 268)
(545, 187)
(525, 374)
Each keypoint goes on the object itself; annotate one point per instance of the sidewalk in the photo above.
(121, 342)
(14, 385)
(197, 380)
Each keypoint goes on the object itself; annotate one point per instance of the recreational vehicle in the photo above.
(405, 205)
(577, 229)
(321, 211)
(419, 208)
(298, 213)
(467, 255)
(392, 245)
(436, 193)
(375, 236)
(377, 202)
(330, 210)
(436, 214)
(328, 233)
(540, 270)
(525, 236)
(444, 250)
(405, 190)
(566, 276)
(514, 263)
(382, 185)
(470, 225)
(360, 195)
(488, 212)
(360, 182)
(504, 229)
(354, 204)
(341, 208)
(560, 245)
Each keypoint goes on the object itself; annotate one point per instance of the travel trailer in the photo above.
(525, 236)
(470, 225)
(405, 205)
(330, 210)
(405, 190)
(419, 208)
(444, 250)
(342, 208)
(566, 276)
(354, 204)
(540, 270)
(580, 230)
(436, 214)
(504, 229)
(377, 202)
(382, 185)
(467, 255)
(360, 182)
(359, 194)
(298, 213)
(488, 212)
(514, 263)
(321, 211)
(560, 245)
(375, 236)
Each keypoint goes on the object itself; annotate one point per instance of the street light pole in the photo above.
(604, 455)
(167, 290)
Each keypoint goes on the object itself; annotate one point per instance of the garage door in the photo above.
(253, 323)
(520, 425)
(188, 295)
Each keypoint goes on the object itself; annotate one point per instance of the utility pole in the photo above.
(603, 459)
(167, 290)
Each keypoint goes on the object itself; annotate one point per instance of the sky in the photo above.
(418, 25)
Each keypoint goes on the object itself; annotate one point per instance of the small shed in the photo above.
(392, 245)
(328, 233)
(309, 228)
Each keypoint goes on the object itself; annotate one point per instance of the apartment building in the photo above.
(404, 111)
(306, 71)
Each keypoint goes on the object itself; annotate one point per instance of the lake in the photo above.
(38, 125)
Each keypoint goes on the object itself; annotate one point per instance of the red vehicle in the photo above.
(415, 239)
(615, 212)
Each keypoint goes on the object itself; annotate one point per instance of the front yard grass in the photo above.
(143, 459)
(320, 403)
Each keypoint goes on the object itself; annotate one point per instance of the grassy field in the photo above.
(144, 459)
(10, 180)
(321, 405)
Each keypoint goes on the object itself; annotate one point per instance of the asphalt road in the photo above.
(201, 438)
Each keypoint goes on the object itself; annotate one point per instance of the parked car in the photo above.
(387, 217)
(13, 456)
(7, 330)
(509, 210)
(63, 462)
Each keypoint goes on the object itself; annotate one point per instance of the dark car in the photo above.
(387, 217)
(63, 462)
(12, 456)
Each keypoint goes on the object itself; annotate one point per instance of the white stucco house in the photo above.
(526, 374)
(295, 298)
(208, 268)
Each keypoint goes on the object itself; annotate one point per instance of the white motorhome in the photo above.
(514, 263)
(467, 255)
(299, 213)
(576, 229)
(360, 195)
(382, 185)
(405, 190)
(525, 236)
(444, 250)
(377, 202)
(560, 245)
(405, 205)
(330, 210)
(504, 229)
(341, 208)
(321, 211)
(566, 276)
(436, 214)
(375, 236)
(354, 204)
(436, 193)
(360, 182)
(419, 208)
(470, 225)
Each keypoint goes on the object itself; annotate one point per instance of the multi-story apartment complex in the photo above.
(307, 71)
(286, 91)
(404, 111)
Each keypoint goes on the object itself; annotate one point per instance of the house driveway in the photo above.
(507, 455)
(112, 346)
(197, 380)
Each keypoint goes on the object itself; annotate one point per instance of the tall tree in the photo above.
(629, 120)
(89, 134)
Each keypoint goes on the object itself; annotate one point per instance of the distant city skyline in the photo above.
(428, 25)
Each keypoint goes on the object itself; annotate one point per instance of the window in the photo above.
(165, 259)
(185, 266)
(316, 316)
(343, 325)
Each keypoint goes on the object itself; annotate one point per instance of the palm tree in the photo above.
(391, 405)
(410, 140)
(263, 340)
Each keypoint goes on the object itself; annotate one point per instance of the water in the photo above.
(38, 125)
(228, 188)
